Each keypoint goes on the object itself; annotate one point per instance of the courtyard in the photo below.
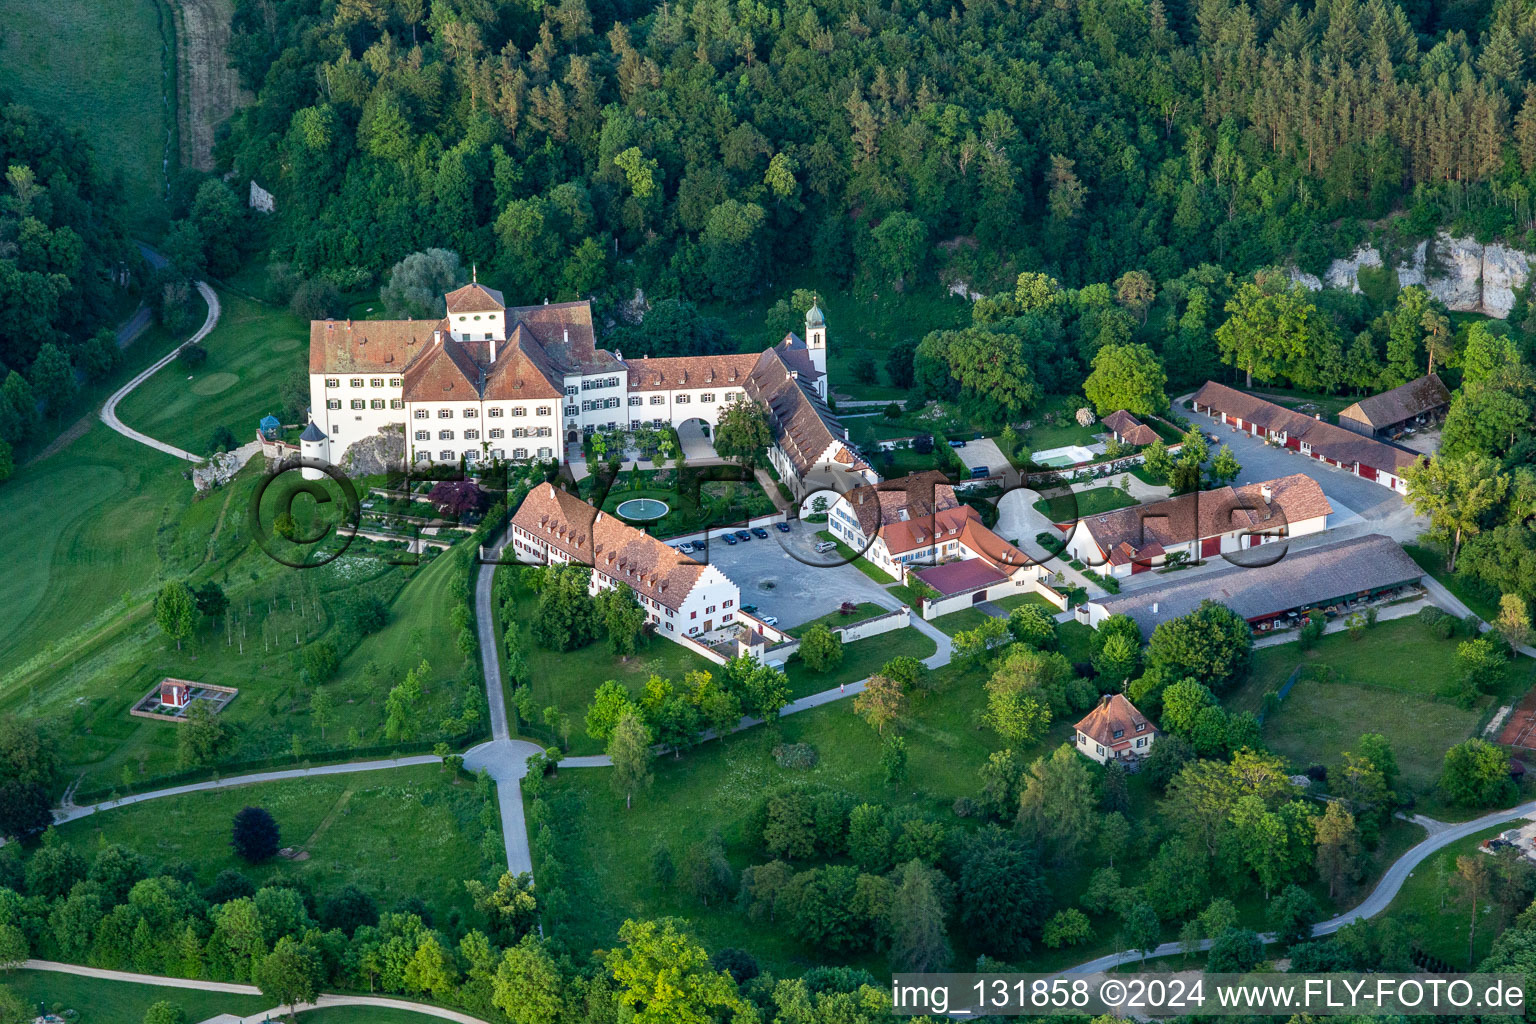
(784, 576)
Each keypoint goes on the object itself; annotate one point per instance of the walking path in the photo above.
(71, 811)
(1441, 836)
(109, 410)
(230, 988)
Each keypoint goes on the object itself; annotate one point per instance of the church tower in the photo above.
(816, 341)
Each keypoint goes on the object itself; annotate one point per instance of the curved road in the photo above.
(109, 409)
(1379, 899)
(230, 988)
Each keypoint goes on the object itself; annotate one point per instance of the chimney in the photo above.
(493, 350)
(437, 337)
(1154, 607)
(1268, 493)
(565, 334)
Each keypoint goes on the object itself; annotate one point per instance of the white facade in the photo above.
(674, 407)
(352, 406)
(484, 430)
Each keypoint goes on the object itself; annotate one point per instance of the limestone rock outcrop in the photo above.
(1461, 272)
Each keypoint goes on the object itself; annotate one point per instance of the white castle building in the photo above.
(490, 382)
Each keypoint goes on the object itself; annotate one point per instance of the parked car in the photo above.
(957, 444)
(686, 547)
(743, 535)
(728, 539)
(825, 546)
(978, 472)
(783, 527)
(750, 609)
(772, 620)
(759, 532)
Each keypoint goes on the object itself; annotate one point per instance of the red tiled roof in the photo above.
(368, 346)
(923, 531)
(668, 373)
(958, 577)
(473, 298)
(1114, 714)
(648, 566)
(1403, 402)
(1333, 442)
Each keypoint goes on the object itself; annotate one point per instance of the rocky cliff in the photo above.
(1462, 273)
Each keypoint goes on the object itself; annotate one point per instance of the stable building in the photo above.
(1202, 524)
(1332, 577)
(1366, 457)
(1418, 403)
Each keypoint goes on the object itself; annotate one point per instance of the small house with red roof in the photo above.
(1127, 429)
(1114, 730)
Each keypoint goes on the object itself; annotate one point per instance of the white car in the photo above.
(772, 620)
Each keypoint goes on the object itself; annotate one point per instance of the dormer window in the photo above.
(1119, 733)
(1141, 726)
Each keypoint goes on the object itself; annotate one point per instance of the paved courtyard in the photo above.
(795, 587)
(1261, 461)
(985, 452)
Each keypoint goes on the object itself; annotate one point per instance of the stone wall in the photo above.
(1462, 273)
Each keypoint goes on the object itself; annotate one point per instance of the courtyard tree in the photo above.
(457, 498)
(1128, 377)
(254, 835)
(1455, 493)
(417, 284)
(1225, 467)
(176, 611)
(1033, 625)
(881, 703)
(821, 649)
(742, 433)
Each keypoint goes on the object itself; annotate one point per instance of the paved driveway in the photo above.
(696, 447)
(985, 452)
(782, 584)
(1261, 461)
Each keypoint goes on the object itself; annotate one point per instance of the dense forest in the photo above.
(61, 247)
(696, 147)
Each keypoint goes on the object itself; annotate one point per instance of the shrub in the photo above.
(192, 356)
(795, 755)
(255, 835)
(316, 300)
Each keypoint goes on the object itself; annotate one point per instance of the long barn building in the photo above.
(1364, 456)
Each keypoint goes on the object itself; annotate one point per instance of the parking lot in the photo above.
(785, 578)
(984, 452)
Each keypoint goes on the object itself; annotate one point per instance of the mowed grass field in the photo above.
(97, 68)
(394, 833)
(1388, 681)
(249, 353)
(119, 1002)
(79, 532)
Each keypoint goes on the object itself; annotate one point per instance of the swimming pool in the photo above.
(1070, 455)
(642, 510)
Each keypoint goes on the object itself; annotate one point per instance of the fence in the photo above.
(898, 619)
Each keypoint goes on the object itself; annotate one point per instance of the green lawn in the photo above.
(1071, 506)
(864, 610)
(1482, 599)
(1437, 920)
(860, 563)
(121, 1002)
(249, 353)
(965, 618)
(394, 833)
(716, 786)
(861, 659)
(97, 68)
(1013, 601)
(567, 680)
(1387, 682)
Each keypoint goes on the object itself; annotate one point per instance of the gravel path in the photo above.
(1378, 900)
(230, 988)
